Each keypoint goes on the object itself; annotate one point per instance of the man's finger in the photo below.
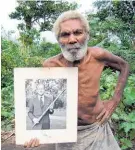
(29, 143)
(37, 142)
(104, 119)
(25, 144)
(101, 114)
(33, 143)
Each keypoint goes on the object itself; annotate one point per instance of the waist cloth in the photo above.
(92, 137)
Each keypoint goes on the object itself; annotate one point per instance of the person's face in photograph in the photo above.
(40, 89)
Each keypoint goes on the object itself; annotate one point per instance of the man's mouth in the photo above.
(73, 49)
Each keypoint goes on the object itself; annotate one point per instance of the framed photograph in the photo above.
(46, 104)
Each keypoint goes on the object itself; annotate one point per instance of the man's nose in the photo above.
(72, 39)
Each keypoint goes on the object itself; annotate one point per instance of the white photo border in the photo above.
(46, 136)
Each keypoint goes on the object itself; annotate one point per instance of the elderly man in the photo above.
(94, 133)
(37, 105)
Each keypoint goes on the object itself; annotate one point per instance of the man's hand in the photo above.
(106, 113)
(32, 143)
(51, 107)
(51, 111)
(36, 120)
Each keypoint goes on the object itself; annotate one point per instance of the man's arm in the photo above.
(30, 113)
(31, 109)
(122, 66)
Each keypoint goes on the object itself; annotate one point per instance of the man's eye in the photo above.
(64, 34)
(78, 32)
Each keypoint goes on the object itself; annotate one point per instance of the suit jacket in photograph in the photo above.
(35, 110)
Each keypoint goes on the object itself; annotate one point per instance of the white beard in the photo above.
(74, 52)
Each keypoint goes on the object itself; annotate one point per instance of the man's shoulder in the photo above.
(96, 52)
(33, 97)
(52, 61)
(31, 102)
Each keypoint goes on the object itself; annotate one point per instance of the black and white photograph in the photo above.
(46, 104)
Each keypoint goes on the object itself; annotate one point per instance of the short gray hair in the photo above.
(71, 14)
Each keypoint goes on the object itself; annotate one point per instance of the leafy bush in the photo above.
(123, 118)
(56, 50)
(15, 56)
(7, 108)
(99, 36)
(125, 53)
(7, 44)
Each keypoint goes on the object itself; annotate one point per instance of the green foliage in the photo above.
(127, 13)
(126, 143)
(54, 51)
(7, 107)
(44, 49)
(14, 56)
(120, 9)
(116, 18)
(107, 89)
(123, 118)
(42, 13)
(39, 13)
(123, 52)
(7, 44)
(108, 33)
(29, 37)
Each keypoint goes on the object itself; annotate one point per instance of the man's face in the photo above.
(40, 89)
(73, 39)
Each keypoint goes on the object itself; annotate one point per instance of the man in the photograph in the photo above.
(94, 132)
(38, 105)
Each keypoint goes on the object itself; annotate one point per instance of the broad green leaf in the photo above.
(126, 143)
(115, 116)
(130, 97)
(126, 126)
(131, 116)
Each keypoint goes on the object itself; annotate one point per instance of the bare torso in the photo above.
(90, 69)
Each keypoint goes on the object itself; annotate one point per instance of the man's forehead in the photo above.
(71, 25)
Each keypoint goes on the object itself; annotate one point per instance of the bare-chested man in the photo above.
(72, 32)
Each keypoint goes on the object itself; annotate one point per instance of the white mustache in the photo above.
(75, 47)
